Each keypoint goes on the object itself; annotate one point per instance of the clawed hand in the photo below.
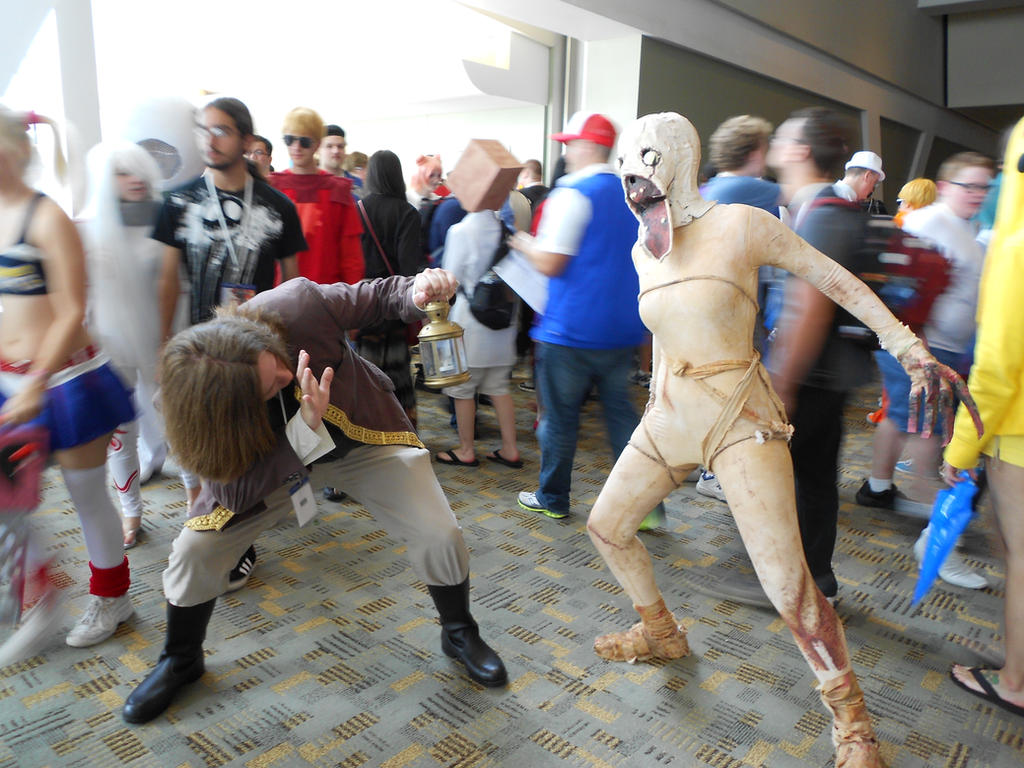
(316, 396)
(935, 385)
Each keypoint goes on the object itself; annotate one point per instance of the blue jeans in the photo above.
(564, 377)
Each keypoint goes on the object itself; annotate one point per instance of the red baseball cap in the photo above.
(590, 126)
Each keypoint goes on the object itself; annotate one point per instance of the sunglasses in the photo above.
(304, 141)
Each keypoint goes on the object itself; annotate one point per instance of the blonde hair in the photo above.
(305, 122)
(355, 160)
(917, 193)
(13, 134)
(733, 141)
(211, 396)
(951, 166)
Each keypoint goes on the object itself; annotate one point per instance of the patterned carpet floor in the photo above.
(331, 655)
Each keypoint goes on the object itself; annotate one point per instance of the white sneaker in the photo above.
(954, 571)
(905, 505)
(708, 485)
(34, 629)
(100, 620)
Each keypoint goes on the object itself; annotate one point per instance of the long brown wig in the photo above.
(216, 417)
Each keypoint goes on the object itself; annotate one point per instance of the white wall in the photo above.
(521, 129)
(611, 78)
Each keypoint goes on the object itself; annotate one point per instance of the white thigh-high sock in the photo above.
(123, 460)
(101, 525)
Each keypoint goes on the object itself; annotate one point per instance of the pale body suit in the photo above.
(697, 301)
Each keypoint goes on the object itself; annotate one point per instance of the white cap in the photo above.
(869, 160)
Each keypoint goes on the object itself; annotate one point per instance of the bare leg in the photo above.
(924, 455)
(465, 415)
(1006, 482)
(761, 497)
(635, 485)
(192, 493)
(505, 409)
(88, 456)
(885, 449)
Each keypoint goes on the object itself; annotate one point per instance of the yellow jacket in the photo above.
(997, 378)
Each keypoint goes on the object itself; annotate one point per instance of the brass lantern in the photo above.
(442, 350)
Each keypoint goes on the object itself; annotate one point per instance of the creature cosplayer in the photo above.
(711, 403)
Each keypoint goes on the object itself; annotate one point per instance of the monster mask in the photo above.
(659, 157)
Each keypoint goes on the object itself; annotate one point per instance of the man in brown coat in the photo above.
(286, 390)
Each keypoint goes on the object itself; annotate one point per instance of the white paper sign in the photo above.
(523, 278)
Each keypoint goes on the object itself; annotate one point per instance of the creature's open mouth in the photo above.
(651, 207)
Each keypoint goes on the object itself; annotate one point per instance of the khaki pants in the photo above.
(395, 483)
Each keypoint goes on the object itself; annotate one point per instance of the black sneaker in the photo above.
(240, 574)
(334, 494)
(868, 498)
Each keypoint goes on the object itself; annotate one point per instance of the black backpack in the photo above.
(493, 303)
(906, 272)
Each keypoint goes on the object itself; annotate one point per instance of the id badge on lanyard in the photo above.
(234, 293)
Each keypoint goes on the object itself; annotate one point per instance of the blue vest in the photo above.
(593, 303)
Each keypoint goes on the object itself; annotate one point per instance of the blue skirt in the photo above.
(81, 409)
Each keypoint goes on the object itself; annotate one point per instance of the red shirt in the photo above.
(330, 224)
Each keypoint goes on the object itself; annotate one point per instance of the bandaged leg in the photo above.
(123, 461)
(626, 498)
(852, 735)
(760, 483)
(655, 636)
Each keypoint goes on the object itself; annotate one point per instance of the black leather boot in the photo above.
(180, 663)
(460, 637)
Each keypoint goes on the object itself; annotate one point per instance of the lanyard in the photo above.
(243, 222)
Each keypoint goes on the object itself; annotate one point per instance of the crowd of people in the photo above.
(303, 289)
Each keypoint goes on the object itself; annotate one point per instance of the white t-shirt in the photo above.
(567, 213)
(952, 322)
(468, 250)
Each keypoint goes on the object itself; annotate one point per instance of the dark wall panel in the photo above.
(898, 145)
(707, 91)
(941, 149)
(891, 39)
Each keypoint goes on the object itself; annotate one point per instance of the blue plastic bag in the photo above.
(950, 515)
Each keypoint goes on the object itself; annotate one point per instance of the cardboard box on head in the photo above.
(484, 175)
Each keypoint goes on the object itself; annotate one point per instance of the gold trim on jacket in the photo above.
(214, 521)
(339, 419)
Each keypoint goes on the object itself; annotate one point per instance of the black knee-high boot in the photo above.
(180, 663)
(460, 636)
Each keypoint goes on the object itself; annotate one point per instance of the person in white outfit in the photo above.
(469, 251)
(124, 268)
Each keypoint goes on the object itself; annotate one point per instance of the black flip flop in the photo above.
(455, 460)
(987, 692)
(496, 456)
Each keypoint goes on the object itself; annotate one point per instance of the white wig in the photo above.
(123, 317)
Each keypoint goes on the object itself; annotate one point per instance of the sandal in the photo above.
(496, 456)
(132, 535)
(455, 460)
(987, 692)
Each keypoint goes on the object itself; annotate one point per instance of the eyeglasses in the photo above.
(214, 131)
(257, 153)
(304, 141)
(972, 187)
